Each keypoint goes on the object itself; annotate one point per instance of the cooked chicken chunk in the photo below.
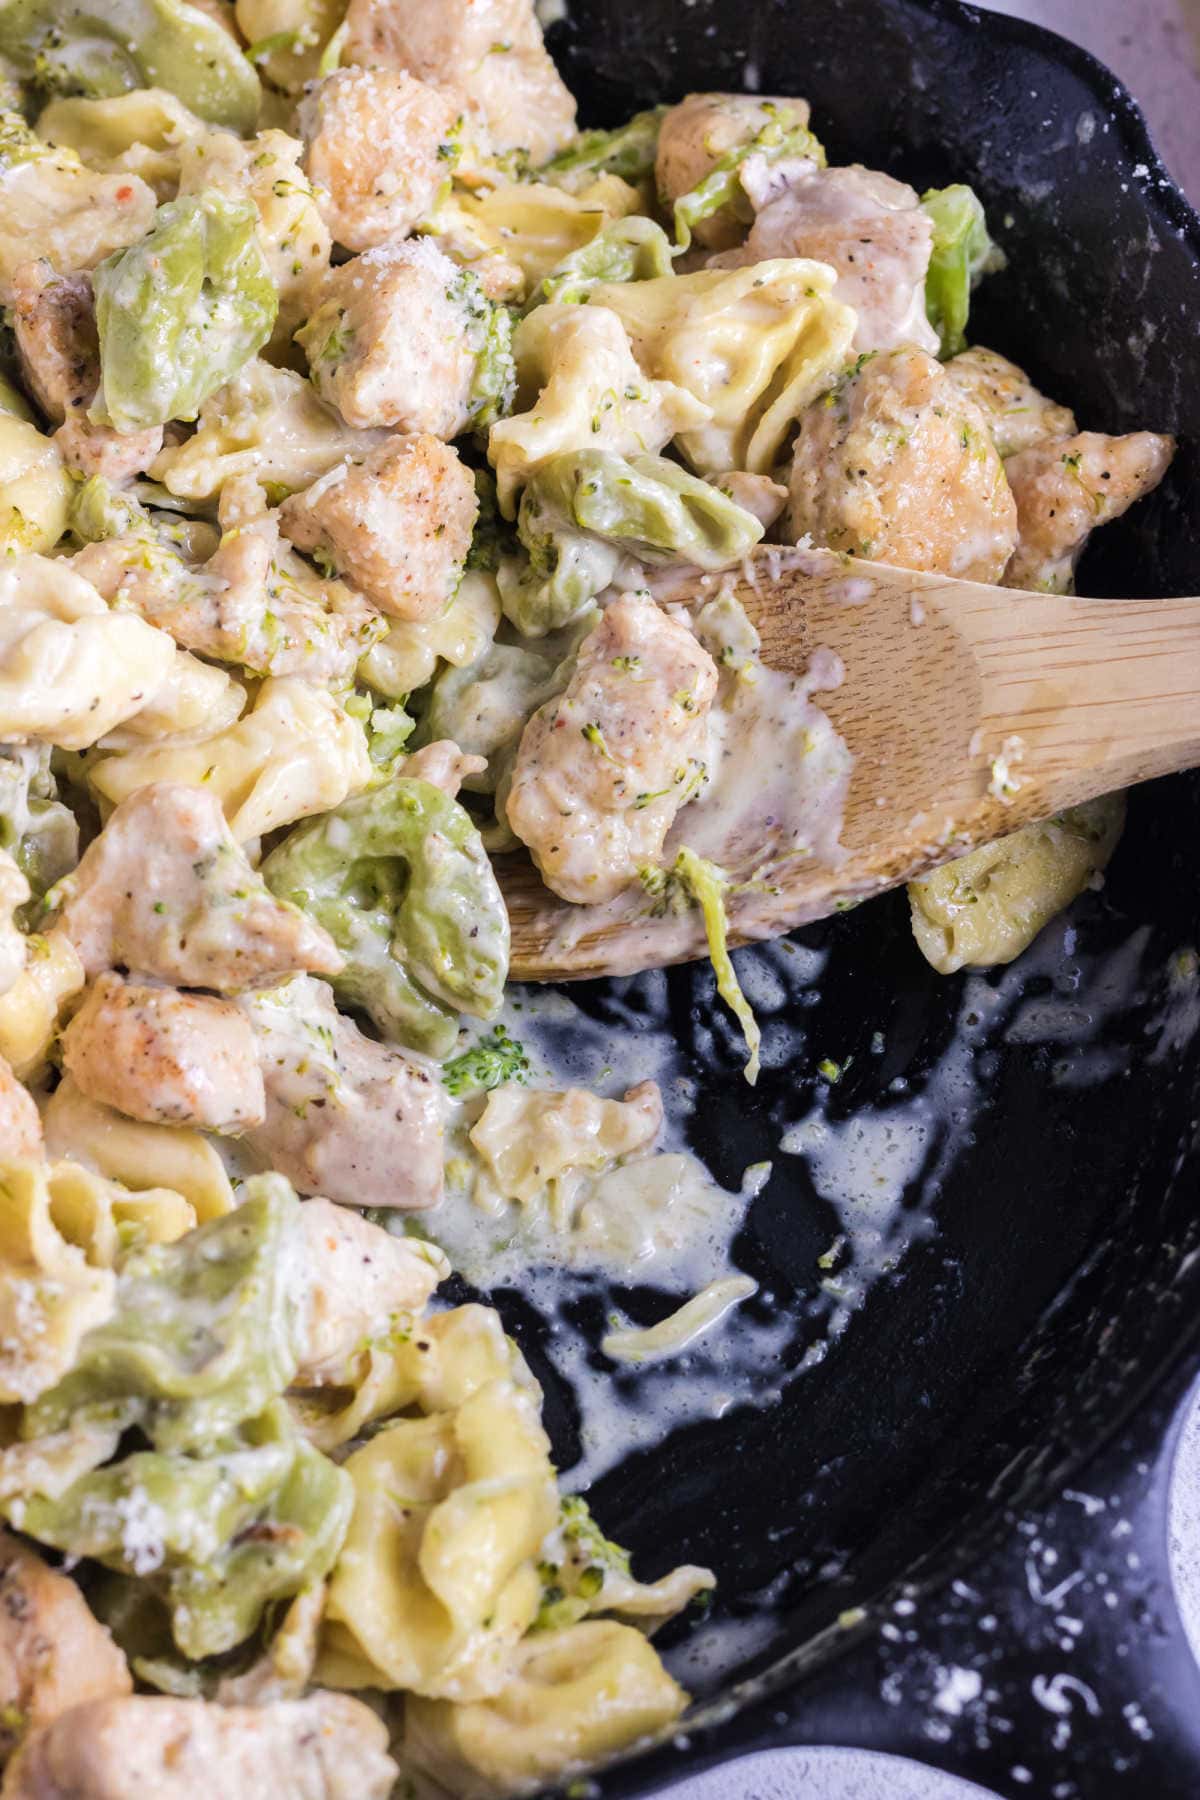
(20, 1125)
(164, 1057)
(346, 1117)
(54, 325)
(1065, 488)
(398, 523)
(253, 602)
(488, 53)
(602, 770)
(1018, 416)
(897, 465)
(696, 134)
(359, 1277)
(53, 1653)
(378, 151)
(388, 342)
(165, 890)
(869, 227)
(443, 765)
(326, 1747)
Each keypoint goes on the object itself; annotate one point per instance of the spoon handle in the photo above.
(1101, 693)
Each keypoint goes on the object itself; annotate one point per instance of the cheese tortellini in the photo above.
(71, 670)
(583, 388)
(754, 346)
(268, 424)
(35, 489)
(140, 133)
(52, 206)
(530, 225)
(50, 1297)
(139, 1157)
(52, 975)
(575, 1697)
(296, 752)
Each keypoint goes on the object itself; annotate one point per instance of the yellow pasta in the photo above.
(435, 1365)
(139, 133)
(530, 223)
(573, 1697)
(51, 205)
(298, 752)
(583, 390)
(35, 489)
(141, 1157)
(102, 1218)
(70, 670)
(432, 1594)
(755, 345)
(408, 656)
(30, 1010)
(50, 1297)
(268, 423)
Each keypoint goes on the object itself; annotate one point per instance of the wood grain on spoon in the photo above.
(940, 676)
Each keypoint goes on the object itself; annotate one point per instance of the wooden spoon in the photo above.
(941, 675)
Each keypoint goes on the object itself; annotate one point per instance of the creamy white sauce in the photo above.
(779, 774)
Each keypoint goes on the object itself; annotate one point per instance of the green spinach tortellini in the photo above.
(105, 47)
(179, 313)
(202, 1336)
(217, 1536)
(229, 1507)
(628, 151)
(633, 249)
(586, 510)
(988, 906)
(400, 880)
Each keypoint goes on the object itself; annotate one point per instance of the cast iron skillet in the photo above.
(1061, 1288)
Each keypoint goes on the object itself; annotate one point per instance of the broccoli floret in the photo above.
(495, 1058)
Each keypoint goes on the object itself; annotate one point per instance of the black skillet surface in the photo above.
(1056, 1303)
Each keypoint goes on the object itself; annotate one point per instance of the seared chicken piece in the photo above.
(346, 1117)
(53, 1653)
(897, 465)
(20, 1123)
(387, 341)
(488, 53)
(165, 890)
(326, 1747)
(1018, 416)
(379, 145)
(54, 325)
(1064, 488)
(359, 1277)
(164, 1057)
(602, 770)
(254, 602)
(869, 227)
(696, 134)
(398, 523)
